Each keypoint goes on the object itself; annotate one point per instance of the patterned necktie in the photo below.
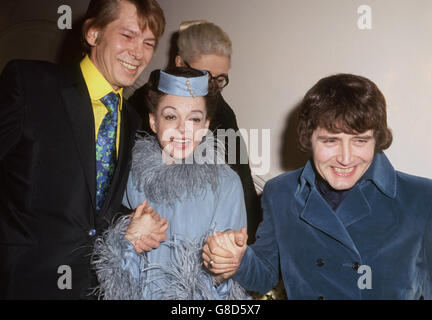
(106, 148)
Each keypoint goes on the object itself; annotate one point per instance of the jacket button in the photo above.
(320, 262)
(356, 266)
(321, 298)
(92, 232)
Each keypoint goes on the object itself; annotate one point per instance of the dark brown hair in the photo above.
(344, 103)
(100, 13)
(153, 96)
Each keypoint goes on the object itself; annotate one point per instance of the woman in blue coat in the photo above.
(347, 225)
(186, 182)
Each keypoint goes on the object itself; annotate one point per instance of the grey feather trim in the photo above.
(187, 279)
(150, 173)
(114, 282)
(237, 292)
(184, 279)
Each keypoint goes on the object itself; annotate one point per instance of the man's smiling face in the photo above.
(121, 50)
(340, 158)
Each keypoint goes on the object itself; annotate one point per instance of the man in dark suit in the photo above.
(65, 142)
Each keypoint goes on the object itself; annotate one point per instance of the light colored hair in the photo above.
(100, 13)
(202, 37)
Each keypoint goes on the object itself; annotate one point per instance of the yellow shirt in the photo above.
(98, 87)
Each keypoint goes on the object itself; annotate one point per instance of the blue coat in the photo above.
(383, 223)
(197, 199)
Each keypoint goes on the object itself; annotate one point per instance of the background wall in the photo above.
(28, 30)
(283, 47)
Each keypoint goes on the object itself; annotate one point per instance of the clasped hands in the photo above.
(146, 229)
(223, 252)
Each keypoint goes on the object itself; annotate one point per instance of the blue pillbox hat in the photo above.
(182, 86)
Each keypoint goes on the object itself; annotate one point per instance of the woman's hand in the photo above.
(223, 252)
(146, 229)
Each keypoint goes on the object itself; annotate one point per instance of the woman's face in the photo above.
(180, 124)
(217, 65)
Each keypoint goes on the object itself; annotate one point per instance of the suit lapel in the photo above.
(354, 207)
(318, 214)
(80, 112)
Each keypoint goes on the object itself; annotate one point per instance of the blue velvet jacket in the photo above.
(384, 223)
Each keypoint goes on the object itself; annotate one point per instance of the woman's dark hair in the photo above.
(100, 13)
(153, 95)
(344, 103)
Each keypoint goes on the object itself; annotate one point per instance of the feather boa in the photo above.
(151, 174)
(185, 278)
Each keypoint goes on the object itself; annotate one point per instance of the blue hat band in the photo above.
(182, 86)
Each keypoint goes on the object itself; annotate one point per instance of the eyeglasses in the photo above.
(221, 80)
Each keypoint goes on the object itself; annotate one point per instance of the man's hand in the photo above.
(223, 252)
(146, 229)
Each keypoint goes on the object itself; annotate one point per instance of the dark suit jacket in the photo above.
(224, 118)
(48, 180)
(384, 223)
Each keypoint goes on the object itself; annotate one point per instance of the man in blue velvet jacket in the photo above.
(347, 225)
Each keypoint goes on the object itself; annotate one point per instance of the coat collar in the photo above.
(382, 174)
(355, 207)
(78, 107)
